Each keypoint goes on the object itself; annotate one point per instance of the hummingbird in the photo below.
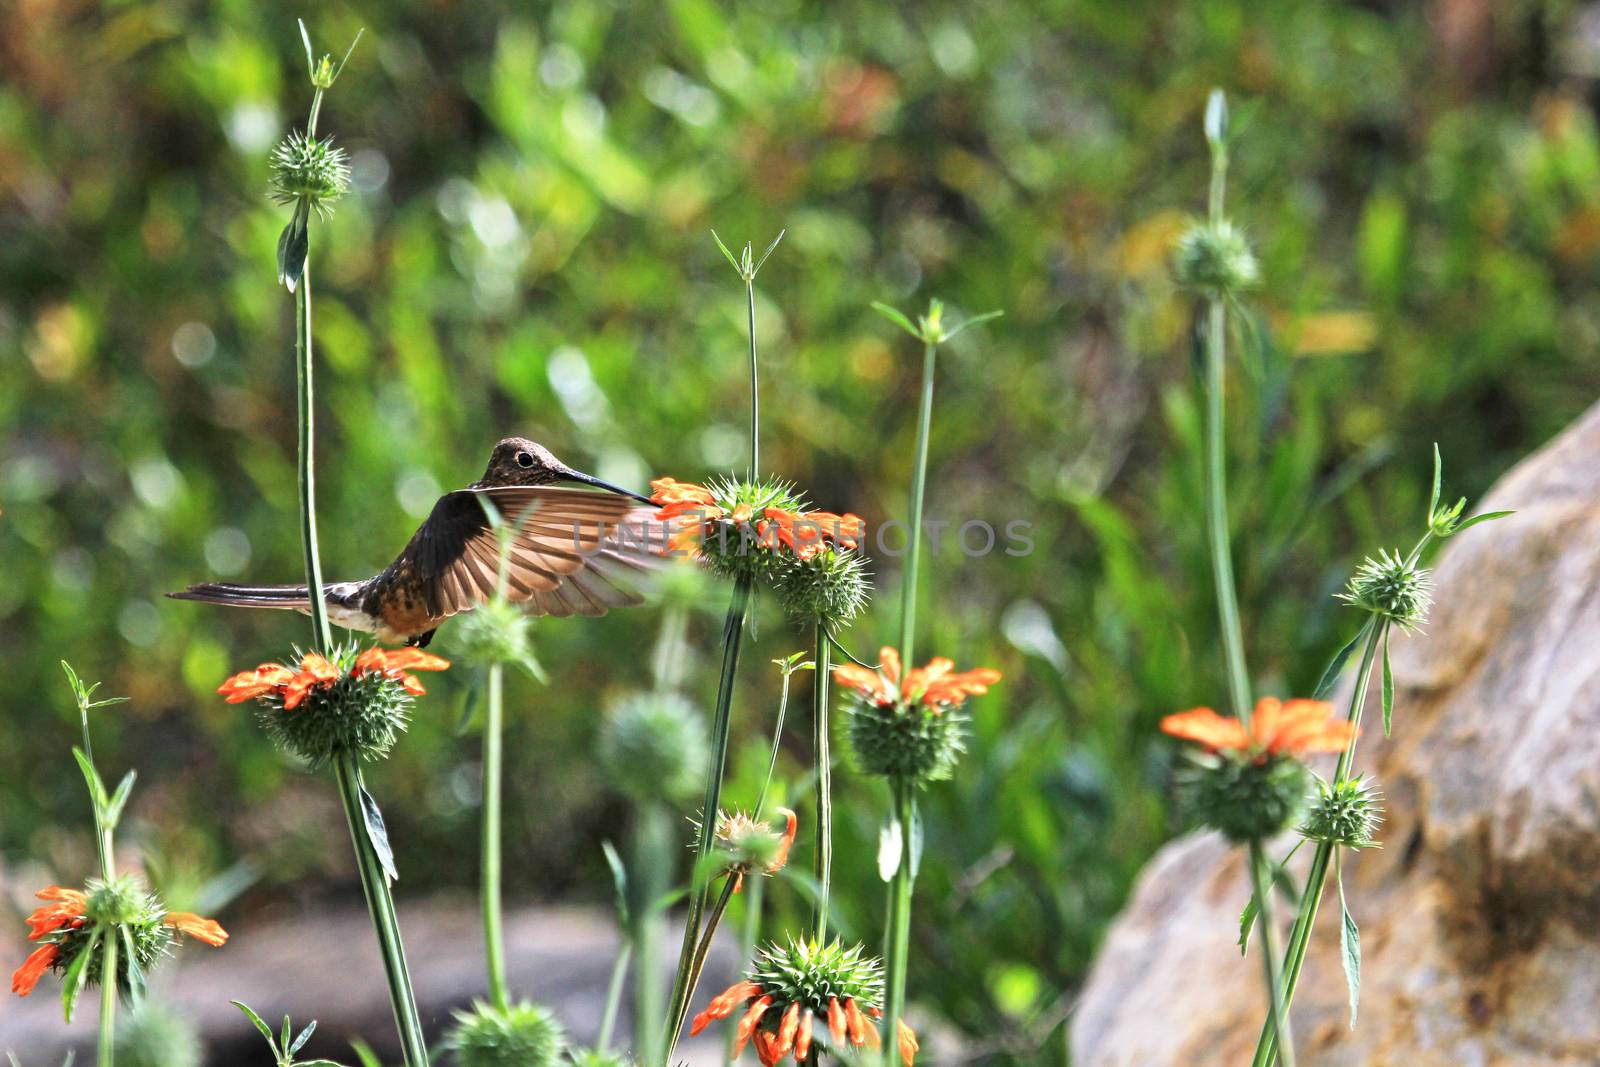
(571, 553)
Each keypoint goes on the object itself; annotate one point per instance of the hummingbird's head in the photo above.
(519, 461)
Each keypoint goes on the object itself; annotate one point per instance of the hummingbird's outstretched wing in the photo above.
(572, 551)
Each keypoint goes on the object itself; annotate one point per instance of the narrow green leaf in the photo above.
(619, 881)
(469, 710)
(283, 253)
(976, 320)
(97, 788)
(733, 260)
(261, 1024)
(305, 38)
(897, 318)
(763, 260)
(294, 262)
(372, 816)
(347, 54)
(1349, 946)
(305, 1035)
(891, 841)
(284, 1040)
(136, 982)
(916, 837)
(1487, 516)
(1388, 686)
(1286, 886)
(72, 982)
(1331, 673)
(1247, 923)
(1438, 480)
(363, 1053)
(119, 799)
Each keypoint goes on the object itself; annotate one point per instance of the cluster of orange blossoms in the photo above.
(1294, 727)
(847, 1025)
(936, 685)
(696, 512)
(65, 910)
(317, 671)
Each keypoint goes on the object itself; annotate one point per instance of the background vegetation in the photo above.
(528, 251)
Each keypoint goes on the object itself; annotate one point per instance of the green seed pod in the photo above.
(809, 973)
(497, 631)
(1347, 814)
(308, 169)
(122, 904)
(830, 588)
(1215, 259)
(1246, 799)
(897, 740)
(365, 714)
(1393, 588)
(524, 1035)
(155, 1036)
(653, 748)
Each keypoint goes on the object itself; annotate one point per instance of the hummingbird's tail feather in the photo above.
(284, 597)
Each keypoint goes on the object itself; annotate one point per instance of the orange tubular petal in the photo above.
(909, 1046)
(27, 976)
(781, 857)
(415, 659)
(787, 1030)
(857, 1023)
(208, 930)
(890, 660)
(1205, 727)
(836, 1023)
(767, 1048)
(672, 491)
(411, 685)
(372, 659)
(864, 681)
(747, 1025)
(722, 1005)
(802, 1039)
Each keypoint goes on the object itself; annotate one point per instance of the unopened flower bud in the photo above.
(1246, 799)
(1347, 814)
(1215, 259)
(831, 587)
(898, 740)
(653, 748)
(523, 1035)
(309, 170)
(1391, 587)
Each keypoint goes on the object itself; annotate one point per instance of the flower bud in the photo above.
(1215, 259)
(748, 844)
(830, 588)
(156, 1036)
(524, 1035)
(1348, 813)
(1393, 588)
(497, 631)
(1246, 799)
(897, 740)
(309, 170)
(653, 748)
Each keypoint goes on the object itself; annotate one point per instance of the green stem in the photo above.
(108, 1004)
(1317, 875)
(823, 853)
(919, 478)
(755, 392)
(493, 930)
(608, 1018)
(649, 875)
(321, 635)
(699, 895)
(1277, 1006)
(897, 948)
(380, 905)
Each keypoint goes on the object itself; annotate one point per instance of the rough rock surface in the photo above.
(1480, 918)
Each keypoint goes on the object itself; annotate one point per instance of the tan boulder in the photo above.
(1480, 917)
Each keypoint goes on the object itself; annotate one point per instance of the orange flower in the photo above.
(27, 976)
(315, 672)
(802, 1041)
(808, 532)
(747, 1025)
(1295, 727)
(208, 930)
(248, 685)
(909, 1046)
(794, 1032)
(396, 662)
(936, 685)
(669, 492)
(66, 909)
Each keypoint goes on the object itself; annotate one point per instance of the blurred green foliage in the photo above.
(528, 251)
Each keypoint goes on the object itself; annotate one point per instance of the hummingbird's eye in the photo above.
(524, 459)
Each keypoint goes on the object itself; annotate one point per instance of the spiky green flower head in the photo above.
(745, 844)
(1245, 799)
(496, 632)
(308, 170)
(1391, 587)
(1347, 813)
(734, 539)
(653, 748)
(524, 1035)
(1215, 259)
(900, 740)
(829, 589)
(352, 701)
(156, 1036)
(123, 909)
(810, 973)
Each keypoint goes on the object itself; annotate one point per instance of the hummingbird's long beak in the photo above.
(588, 479)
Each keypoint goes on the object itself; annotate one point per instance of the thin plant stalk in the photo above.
(608, 1017)
(823, 854)
(347, 768)
(699, 895)
(653, 855)
(1267, 1048)
(919, 480)
(1277, 1005)
(108, 1006)
(493, 932)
